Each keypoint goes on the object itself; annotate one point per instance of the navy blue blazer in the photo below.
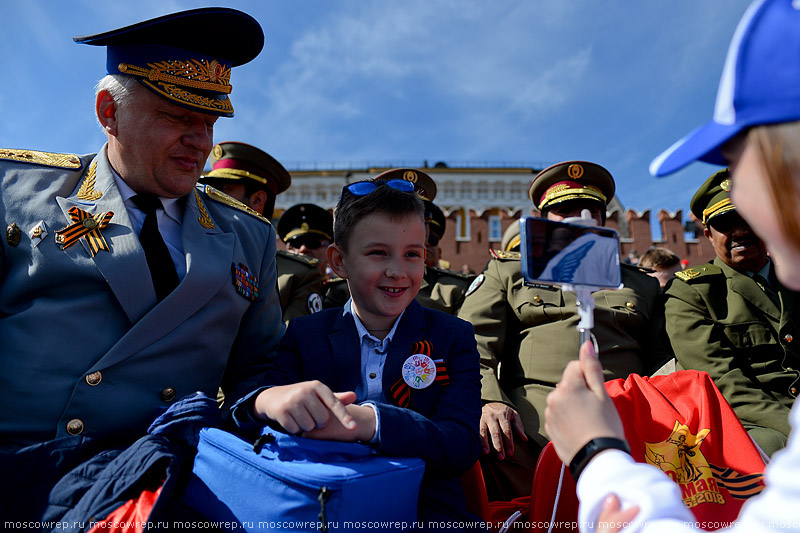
(440, 424)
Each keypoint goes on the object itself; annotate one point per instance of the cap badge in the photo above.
(304, 226)
(725, 185)
(13, 234)
(410, 175)
(218, 152)
(246, 284)
(575, 171)
(88, 227)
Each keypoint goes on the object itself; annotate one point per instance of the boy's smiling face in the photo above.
(383, 265)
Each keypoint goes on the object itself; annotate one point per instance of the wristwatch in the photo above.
(592, 448)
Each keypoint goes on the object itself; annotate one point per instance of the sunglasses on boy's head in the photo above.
(725, 223)
(363, 188)
(309, 241)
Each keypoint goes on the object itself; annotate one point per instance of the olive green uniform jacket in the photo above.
(719, 320)
(527, 334)
(299, 285)
(441, 289)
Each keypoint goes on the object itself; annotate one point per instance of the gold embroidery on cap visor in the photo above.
(234, 173)
(172, 79)
(723, 206)
(562, 193)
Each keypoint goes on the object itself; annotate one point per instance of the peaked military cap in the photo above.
(185, 57)
(240, 161)
(713, 198)
(436, 219)
(571, 180)
(511, 238)
(304, 219)
(423, 183)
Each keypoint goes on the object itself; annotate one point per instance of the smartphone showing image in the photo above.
(559, 253)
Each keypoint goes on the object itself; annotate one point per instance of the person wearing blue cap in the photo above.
(756, 132)
(124, 285)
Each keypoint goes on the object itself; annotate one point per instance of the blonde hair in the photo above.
(778, 149)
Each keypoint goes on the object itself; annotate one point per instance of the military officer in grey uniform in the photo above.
(255, 178)
(527, 333)
(125, 285)
(441, 289)
(733, 319)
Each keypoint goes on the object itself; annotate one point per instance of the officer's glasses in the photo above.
(363, 188)
(309, 241)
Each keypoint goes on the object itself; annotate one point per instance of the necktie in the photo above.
(764, 284)
(162, 269)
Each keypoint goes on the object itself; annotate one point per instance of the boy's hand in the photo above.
(305, 406)
(364, 431)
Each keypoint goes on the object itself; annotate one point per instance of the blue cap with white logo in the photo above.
(760, 84)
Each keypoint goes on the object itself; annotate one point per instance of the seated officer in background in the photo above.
(527, 334)
(441, 289)
(116, 294)
(307, 230)
(255, 178)
(733, 319)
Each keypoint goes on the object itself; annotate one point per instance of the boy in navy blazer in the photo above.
(383, 370)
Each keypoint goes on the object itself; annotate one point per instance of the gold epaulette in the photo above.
(697, 272)
(502, 254)
(47, 159)
(310, 261)
(221, 197)
(333, 281)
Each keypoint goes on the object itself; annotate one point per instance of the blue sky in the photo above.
(357, 82)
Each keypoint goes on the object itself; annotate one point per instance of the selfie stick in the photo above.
(583, 293)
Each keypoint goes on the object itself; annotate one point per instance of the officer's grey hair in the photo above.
(120, 87)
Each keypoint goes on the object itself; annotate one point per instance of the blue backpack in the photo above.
(293, 483)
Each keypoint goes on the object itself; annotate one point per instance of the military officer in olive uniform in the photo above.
(255, 178)
(307, 230)
(527, 334)
(441, 289)
(125, 285)
(733, 319)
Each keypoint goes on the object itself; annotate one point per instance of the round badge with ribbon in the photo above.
(419, 371)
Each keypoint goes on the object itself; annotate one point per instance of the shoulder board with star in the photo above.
(334, 281)
(691, 274)
(222, 198)
(310, 261)
(45, 159)
(505, 256)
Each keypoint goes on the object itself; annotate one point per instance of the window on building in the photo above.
(495, 228)
(449, 190)
(462, 225)
(483, 190)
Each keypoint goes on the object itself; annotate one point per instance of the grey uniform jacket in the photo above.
(85, 348)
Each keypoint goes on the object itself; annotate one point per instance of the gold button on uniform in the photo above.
(629, 305)
(793, 390)
(788, 337)
(75, 426)
(537, 299)
(168, 394)
(94, 378)
(373, 375)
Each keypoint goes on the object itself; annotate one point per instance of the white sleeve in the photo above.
(776, 509)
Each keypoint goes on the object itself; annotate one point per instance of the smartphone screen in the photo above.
(558, 253)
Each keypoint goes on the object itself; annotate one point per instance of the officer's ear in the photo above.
(106, 110)
(336, 260)
(257, 201)
(707, 232)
